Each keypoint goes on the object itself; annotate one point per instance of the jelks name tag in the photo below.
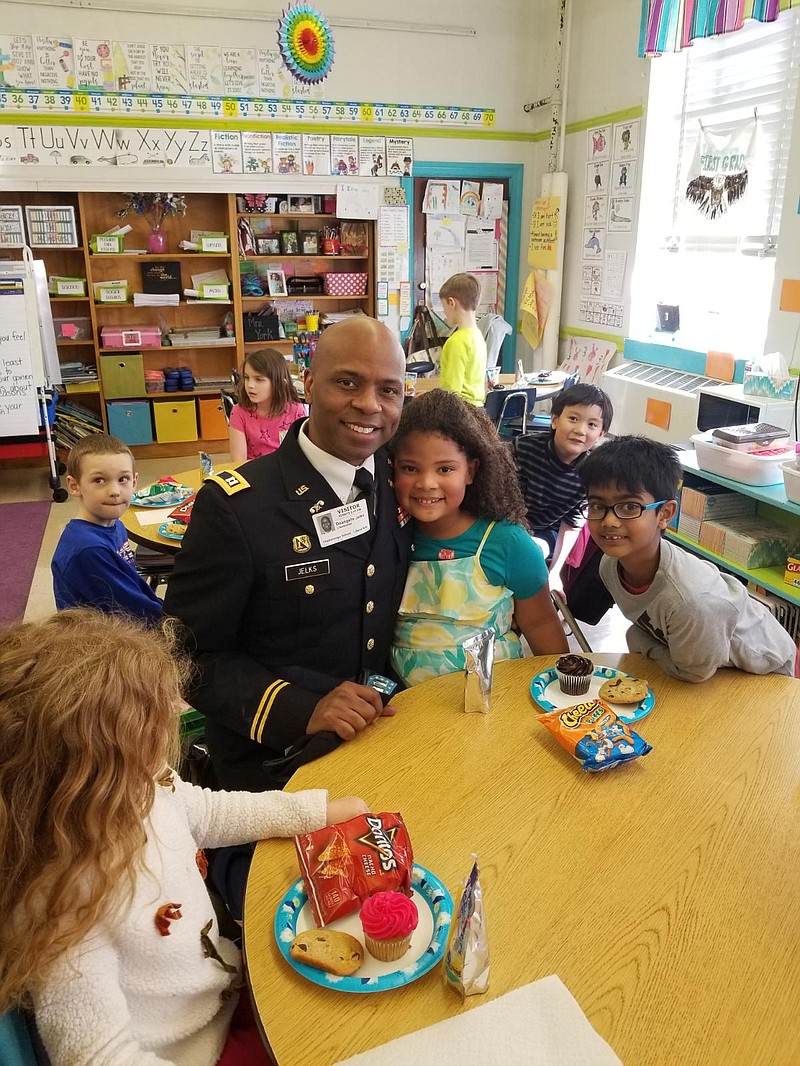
(342, 523)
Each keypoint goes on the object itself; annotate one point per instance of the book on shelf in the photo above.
(161, 278)
(153, 299)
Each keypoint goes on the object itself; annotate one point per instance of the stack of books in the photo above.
(73, 422)
(78, 373)
(198, 337)
(154, 299)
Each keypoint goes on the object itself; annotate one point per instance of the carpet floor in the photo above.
(22, 527)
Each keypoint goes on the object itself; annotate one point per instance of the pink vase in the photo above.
(157, 241)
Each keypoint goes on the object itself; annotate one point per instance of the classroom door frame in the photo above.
(513, 173)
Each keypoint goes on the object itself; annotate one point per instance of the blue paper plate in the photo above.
(547, 693)
(428, 942)
(164, 531)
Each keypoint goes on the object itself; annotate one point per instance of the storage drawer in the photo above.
(175, 421)
(122, 375)
(131, 422)
(130, 336)
(213, 424)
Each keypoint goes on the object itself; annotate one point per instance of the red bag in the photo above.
(345, 863)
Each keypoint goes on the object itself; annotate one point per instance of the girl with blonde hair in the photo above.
(106, 928)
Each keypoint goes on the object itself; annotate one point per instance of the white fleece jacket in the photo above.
(694, 619)
(128, 996)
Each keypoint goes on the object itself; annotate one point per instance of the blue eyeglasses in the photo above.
(596, 511)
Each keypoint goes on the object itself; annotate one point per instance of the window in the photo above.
(718, 272)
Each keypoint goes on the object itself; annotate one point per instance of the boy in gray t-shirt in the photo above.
(688, 617)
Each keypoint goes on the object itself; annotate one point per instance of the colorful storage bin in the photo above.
(131, 336)
(344, 283)
(76, 328)
(176, 420)
(122, 375)
(213, 424)
(131, 422)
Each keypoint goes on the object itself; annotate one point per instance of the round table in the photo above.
(148, 535)
(665, 893)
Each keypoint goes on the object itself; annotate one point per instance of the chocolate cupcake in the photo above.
(574, 674)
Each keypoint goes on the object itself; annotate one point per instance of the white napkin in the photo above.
(539, 1024)
(155, 516)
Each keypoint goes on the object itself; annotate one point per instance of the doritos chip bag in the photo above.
(594, 734)
(345, 863)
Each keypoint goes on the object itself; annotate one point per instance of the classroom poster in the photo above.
(54, 62)
(445, 233)
(257, 152)
(275, 80)
(240, 71)
(226, 152)
(372, 157)
(623, 177)
(133, 66)
(601, 312)
(487, 279)
(597, 178)
(470, 198)
(543, 234)
(287, 153)
(598, 144)
(589, 357)
(17, 61)
(595, 211)
(204, 69)
(626, 140)
(344, 155)
(620, 214)
(482, 245)
(592, 279)
(169, 68)
(94, 67)
(399, 157)
(491, 200)
(594, 244)
(316, 153)
(614, 274)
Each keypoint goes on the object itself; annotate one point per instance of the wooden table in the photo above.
(665, 894)
(149, 536)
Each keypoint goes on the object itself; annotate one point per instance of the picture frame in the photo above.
(310, 242)
(276, 280)
(268, 245)
(301, 205)
(51, 226)
(289, 242)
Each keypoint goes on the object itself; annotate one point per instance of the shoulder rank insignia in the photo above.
(230, 481)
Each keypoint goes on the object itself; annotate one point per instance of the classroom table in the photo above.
(148, 535)
(665, 893)
(544, 390)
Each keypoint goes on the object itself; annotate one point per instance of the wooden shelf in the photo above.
(176, 395)
(68, 299)
(769, 577)
(772, 494)
(297, 255)
(303, 296)
(169, 307)
(284, 214)
(141, 350)
(74, 344)
(56, 248)
(101, 256)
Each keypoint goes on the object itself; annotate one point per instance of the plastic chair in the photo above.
(228, 403)
(542, 420)
(505, 408)
(562, 608)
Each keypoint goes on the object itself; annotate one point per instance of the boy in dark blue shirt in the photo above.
(93, 564)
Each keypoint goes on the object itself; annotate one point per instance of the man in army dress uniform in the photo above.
(291, 572)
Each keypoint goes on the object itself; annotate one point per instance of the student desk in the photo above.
(544, 390)
(665, 893)
(148, 535)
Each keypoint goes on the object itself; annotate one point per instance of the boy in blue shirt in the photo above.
(93, 564)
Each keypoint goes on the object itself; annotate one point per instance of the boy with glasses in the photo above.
(688, 617)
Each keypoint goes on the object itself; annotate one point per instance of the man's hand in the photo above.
(340, 810)
(347, 710)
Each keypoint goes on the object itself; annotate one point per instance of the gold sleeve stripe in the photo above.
(264, 707)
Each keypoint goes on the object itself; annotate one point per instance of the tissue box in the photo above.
(792, 574)
(775, 388)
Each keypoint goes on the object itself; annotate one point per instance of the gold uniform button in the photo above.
(370, 607)
(370, 644)
(370, 570)
(309, 590)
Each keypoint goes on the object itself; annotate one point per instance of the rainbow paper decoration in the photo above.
(305, 43)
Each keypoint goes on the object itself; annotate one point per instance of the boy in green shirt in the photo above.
(463, 363)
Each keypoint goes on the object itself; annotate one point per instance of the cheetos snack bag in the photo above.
(466, 964)
(345, 863)
(594, 734)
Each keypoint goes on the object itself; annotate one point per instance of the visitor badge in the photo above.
(342, 523)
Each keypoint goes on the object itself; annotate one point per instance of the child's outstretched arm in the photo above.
(537, 620)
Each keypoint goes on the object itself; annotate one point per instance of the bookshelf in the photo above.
(115, 408)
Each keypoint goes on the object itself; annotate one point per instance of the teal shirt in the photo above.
(463, 365)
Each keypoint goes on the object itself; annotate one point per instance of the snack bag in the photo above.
(345, 863)
(594, 734)
(478, 666)
(466, 964)
(183, 512)
(164, 491)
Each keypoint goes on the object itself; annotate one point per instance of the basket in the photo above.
(344, 283)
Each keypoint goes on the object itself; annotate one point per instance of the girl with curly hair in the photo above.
(106, 928)
(473, 564)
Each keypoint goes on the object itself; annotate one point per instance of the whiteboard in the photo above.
(19, 409)
(41, 334)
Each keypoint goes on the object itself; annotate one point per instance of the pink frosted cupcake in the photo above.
(388, 920)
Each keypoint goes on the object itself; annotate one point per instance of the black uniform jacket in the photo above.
(274, 619)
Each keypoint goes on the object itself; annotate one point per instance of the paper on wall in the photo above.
(94, 67)
(169, 68)
(491, 200)
(442, 197)
(18, 69)
(543, 233)
(399, 157)
(592, 279)
(240, 71)
(133, 68)
(372, 157)
(257, 152)
(344, 154)
(357, 201)
(287, 153)
(470, 198)
(444, 233)
(487, 279)
(614, 274)
(593, 244)
(204, 69)
(595, 211)
(316, 153)
(392, 266)
(620, 214)
(54, 62)
(481, 245)
(226, 152)
(393, 226)
(439, 266)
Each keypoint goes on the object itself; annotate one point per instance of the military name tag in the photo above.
(342, 523)
(313, 568)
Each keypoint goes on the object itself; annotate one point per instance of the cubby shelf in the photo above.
(299, 256)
